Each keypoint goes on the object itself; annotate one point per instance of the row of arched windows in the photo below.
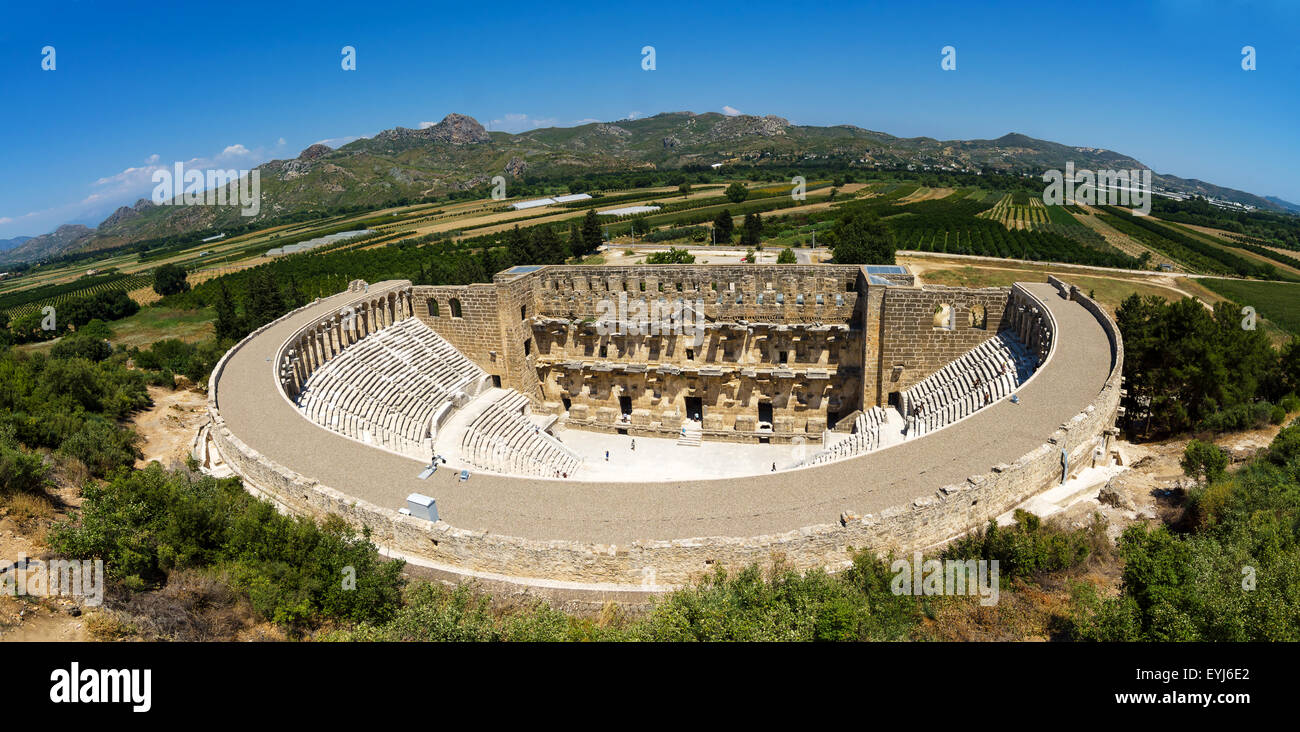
(435, 310)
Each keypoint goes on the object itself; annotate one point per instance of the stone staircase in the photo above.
(691, 436)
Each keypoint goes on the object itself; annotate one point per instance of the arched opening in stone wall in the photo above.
(434, 311)
(455, 308)
(943, 316)
(978, 317)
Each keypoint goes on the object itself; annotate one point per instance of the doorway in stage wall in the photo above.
(765, 412)
(695, 408)
(625, 405)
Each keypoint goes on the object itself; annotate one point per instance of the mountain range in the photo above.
(7, 244)
(458, 153)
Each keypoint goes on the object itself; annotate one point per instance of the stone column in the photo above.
(309, 354)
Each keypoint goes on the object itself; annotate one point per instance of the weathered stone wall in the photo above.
(657, 565)
(915, 341)
(727, 292)
(487, 329)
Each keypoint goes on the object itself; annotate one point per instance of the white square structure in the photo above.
(422, 506)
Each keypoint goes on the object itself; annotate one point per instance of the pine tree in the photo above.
(265, 302)
(751, 233)
(723, 227)
(591, 237)
(547, 245)
(521, 249)
(576, 247)
(227, 325)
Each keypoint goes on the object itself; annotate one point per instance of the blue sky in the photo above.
(235, 84)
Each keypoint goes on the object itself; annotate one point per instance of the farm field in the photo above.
(1111, 289)
(1276, 301)
(1288, 262)
(23, 302)
(148, 326)
(1125, 243)
(1017, 211)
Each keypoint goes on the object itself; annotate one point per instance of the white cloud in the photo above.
(520, 122)
(427, 125)
(730, 111)
(340, 141)
(124, 188)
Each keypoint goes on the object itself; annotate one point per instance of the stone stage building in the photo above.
(750, 353)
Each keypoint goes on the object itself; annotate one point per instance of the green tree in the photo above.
(787, 256)
(170, 279)
(684, 189)
(227, 322)
(591, 236)
(723, 227)
(737, 192)
(1204, 461)
(751, 231)
(547, 246)
(264, 303)
(639, 225)
(576, 247)
(859, 237)
(520, 247)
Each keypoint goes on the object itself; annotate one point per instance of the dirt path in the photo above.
(169, 426)
(24, 522)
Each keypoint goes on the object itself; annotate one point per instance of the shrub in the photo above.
(672, 256)
(172, 356)
(1203, 460)
(20, 472)
(147, 523)
(1028, 547)
(1278, 416)
(1290, 403)
(102, 446)
(1236, 419)
(82, 346)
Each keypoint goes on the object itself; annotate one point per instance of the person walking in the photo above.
(633, 445)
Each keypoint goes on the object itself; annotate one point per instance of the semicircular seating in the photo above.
(392, 388)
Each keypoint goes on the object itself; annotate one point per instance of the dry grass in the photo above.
(192, 606)
(28, 508)
(106, 625)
